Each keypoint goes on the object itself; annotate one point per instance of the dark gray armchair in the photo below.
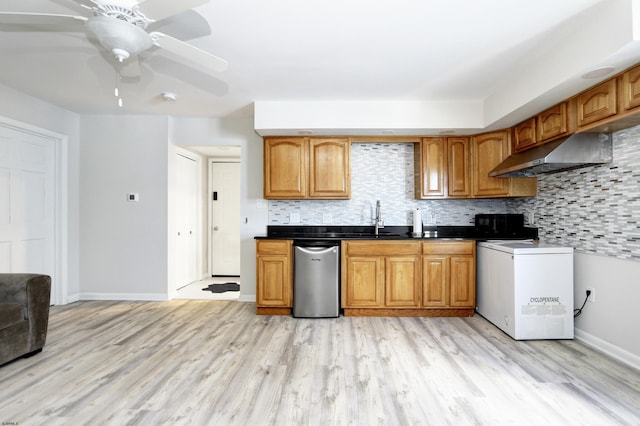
(24, 314)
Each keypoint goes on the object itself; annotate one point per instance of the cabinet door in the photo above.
(631, 89)
(402, 282)
(597, 103)
(365, 283)
(458, 167)
(462, 282)
(273, 281)
(285, 168)
(329, 168)
(435, 282)
(524, 134)
(432, 169)
(552, 123)
(487, 151)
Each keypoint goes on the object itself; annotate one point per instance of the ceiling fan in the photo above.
(120, 27)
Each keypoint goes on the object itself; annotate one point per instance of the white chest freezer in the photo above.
(526, 288)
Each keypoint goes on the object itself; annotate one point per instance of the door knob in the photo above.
(215, 228)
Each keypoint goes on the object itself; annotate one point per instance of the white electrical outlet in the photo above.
(294, 218)
(592, 296)
(326, 218)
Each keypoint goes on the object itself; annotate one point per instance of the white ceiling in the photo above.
(442, 51)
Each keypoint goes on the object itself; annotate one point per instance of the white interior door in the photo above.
(225, 218)
(27, 203)
(186, 220)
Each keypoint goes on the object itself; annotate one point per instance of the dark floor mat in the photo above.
(222, 288)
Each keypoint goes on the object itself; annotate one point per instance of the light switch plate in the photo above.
(133, 197)
(326, 218)
(294, 218)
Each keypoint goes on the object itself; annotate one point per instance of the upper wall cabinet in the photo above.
(458, 167)
(631, 89)
(545, 127)
(552, 123)
(299, 168)
(431, 168)
(487, 151)
(329, 168)
(597, 104)
(442, 168)
(524, 135)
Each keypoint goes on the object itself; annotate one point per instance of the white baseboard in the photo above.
(146, 297)
(71, 298)
(613, 351)
(247, 298)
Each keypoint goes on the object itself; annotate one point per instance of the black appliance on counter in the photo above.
(500, 225)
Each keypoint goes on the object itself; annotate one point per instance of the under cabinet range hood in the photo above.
(572, 152)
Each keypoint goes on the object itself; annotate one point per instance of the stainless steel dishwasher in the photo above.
(316, 279)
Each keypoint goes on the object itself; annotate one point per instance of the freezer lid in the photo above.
(525, 247)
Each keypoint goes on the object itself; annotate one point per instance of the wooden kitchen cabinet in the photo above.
(458, 167)
(596, 104)
(307, 168)
(545, 127)
(449, 275)
(285, 168)
(443, 168)
(524, 135)
(274, 283)
(402, 281)
(329, 168)
(379, 275)
(431, 168)
(552, 123)
(487, 151)
(398, 278)
(631, 89)
(365, 282)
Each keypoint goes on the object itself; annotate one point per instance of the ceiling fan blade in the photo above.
(189, 52)
(89, 4)
(155, 10)
(42, 19)
(130, 68)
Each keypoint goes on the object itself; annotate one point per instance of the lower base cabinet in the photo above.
(274, 277)
(398, 278)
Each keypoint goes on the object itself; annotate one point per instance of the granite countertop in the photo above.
(391, 233)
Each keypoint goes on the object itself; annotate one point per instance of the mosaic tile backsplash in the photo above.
(594, 209)
(385, 172)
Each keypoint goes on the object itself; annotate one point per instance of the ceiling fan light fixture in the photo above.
(115, 34)
(169, 96)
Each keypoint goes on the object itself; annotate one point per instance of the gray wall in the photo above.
(124, 244)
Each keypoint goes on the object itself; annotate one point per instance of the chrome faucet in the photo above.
(378, 219)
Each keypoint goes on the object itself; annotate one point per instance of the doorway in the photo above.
(224, 181)
(219, 219)
(186, 220)
(31, 200)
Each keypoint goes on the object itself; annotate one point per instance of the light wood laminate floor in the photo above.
(215, 362)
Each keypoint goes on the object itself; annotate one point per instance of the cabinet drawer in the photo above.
(375, 248)
(448, 247)
(273, 247)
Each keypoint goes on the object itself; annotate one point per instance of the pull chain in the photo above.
(116, 91)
